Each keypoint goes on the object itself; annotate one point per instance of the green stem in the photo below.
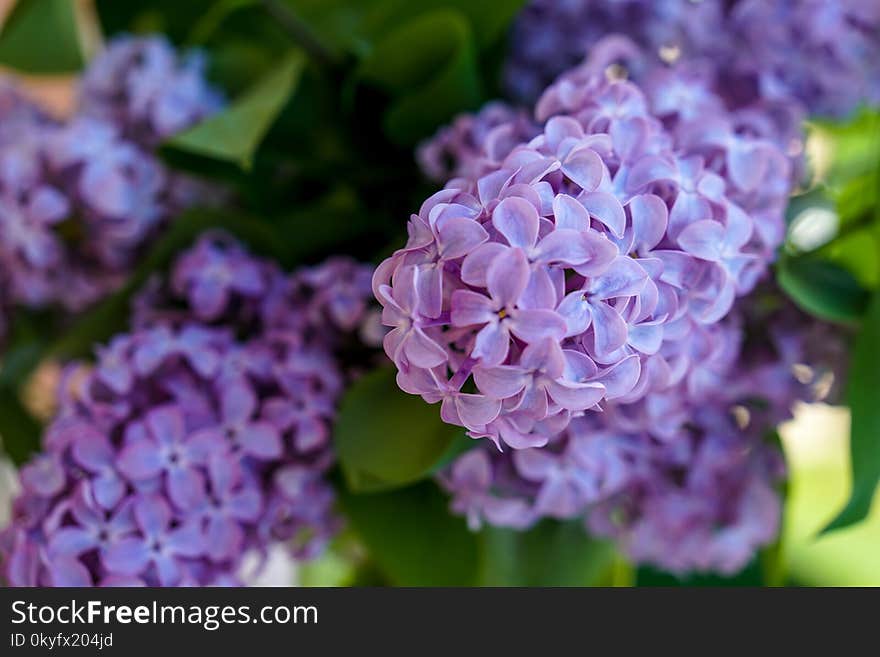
(301, 33)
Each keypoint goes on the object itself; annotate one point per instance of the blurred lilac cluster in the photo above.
(474, 144)
(807, 56)
(686, 478)
(552, 36)
(588, 264)
(80, 198)
(146, 89)
(202, 433)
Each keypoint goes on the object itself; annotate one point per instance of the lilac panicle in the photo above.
(147, 89)
(202, 433)
(474, 143)
(572, 270)
(549, 36)
(677, 468)
(81, 198)
(818, 56)
(684, 479)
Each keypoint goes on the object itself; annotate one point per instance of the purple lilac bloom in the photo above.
(142, 85)
(550, 36)
(200, 434)
(818, 55)
(684, 479)
(81, 198)
(574, 270)
(474, 143)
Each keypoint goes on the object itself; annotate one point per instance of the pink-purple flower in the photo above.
(565, 272)
(685, 478)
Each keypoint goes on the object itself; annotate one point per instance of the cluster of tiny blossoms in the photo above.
(200, 434)
(575, 271)
(549, 36)
(79, 198)
(814, 56)
(685, 479)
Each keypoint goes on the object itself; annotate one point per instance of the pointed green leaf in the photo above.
(863, 392)
(429, 66)
(386, 438)
(822, 288)
(550, 554)
(41, 36)
(356, 25)
(412, 538)
(19, 431)
(234, 134)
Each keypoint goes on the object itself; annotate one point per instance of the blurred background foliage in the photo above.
(327, 100)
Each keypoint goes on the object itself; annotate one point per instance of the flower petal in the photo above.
(507, 277)
(500, 382)
(517, 220)
(534, 325)
(140, 460)
(606, 209)
(471, 309)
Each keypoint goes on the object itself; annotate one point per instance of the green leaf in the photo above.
(852, 146)
(412, 538)
(323, 227)
(429, 66)
(110, 316)
(864, 440)
(19, 431)
(551, 554)
(857, 252)
(41, 36)
(234, 134)
(356, 25)
(822, 288)
(751, 575)
(386, 438)
(172, 18)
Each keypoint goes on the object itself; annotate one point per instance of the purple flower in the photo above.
(167, 450)
(681, 478)
(233, 501)
(499, 314)
(44, 476)
(213, 273)
(185, 445)
(761, 55)
(81, 198)
(196, 344)
(158, 545)
(94, 528)
(591, 244)
(92, 450)
(143, 85)
(237, 426)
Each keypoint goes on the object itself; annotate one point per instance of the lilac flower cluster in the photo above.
(551, 36)
(80, 198)
(145, 88)
(745, 151)
(813, 56)
(577, 270)
(475, 143)
(684, 479)
(202, 433)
